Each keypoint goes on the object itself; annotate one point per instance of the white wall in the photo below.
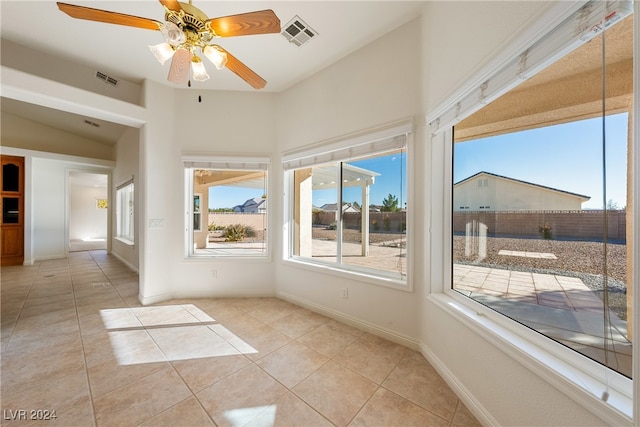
(357, 93)
(127, 167)
(48, 212)
(231, 123)
(85, 219)
(43, 64)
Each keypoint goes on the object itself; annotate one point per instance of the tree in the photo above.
(390, 204)
(612, 205)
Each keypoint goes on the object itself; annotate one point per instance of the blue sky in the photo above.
(389, 167)
(228, 197)
(567, 157)
(388, 182)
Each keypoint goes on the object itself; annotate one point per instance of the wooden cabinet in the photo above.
(12, 203)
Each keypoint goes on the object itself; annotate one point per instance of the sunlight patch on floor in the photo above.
(241, 416)
(168, 333)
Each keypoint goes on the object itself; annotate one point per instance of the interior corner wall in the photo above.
(127, 168)
(231, 123)
(458, 39)
(357, 93)
(85, 219)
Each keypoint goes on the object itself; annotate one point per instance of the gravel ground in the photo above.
(584, 260)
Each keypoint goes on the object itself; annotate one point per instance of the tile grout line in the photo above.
(290, 390)
(84, 353)
(143, 327)
(18, 316)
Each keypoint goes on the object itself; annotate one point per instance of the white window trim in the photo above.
(344, 147)
(199, 196)
(128, 240)
(232, 162)
(573, 374)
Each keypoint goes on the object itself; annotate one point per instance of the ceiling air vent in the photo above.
(106, 79)
(298, 32)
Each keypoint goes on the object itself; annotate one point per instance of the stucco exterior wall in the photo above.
(489, 193)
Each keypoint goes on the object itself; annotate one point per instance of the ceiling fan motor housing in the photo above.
(192, 21)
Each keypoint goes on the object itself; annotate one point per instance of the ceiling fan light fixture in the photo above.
(173, 34)
(188, 30)
(197, 70)
(216, 56)
(162, 52)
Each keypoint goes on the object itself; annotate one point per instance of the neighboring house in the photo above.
(257, 205)
(486, 191)
(346, 208)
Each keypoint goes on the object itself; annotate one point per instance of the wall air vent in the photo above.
(298, 32)
(106, 79)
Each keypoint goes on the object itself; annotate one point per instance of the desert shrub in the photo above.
(238, 232)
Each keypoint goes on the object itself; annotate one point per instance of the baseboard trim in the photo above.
(475, 407)
(155, 299)
(352, 321)
(125, 262)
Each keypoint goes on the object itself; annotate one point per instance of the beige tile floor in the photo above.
(76, 341)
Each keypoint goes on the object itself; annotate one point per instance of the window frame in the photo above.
(573, 374)
(220, 162)
(352, 143)
(128, 237)
(199, 213)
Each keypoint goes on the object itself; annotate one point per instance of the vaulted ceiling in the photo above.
(122, 52)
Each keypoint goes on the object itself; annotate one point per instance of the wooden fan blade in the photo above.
(171, 5)
(245, 24)
(244, 72)
(81, 12)
(180, 63)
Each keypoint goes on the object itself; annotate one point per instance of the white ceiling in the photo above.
(342, 26)
(122, 52)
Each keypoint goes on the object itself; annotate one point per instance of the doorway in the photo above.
(88, 211)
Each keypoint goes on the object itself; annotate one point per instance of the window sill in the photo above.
(367, 277)
(230, 258)
(574, 375)
(125, 241)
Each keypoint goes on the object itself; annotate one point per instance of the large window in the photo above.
(125, 212)
(226, 207)
(542, 217)
(348, 206)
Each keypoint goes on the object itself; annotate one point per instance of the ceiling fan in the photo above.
(188, 34)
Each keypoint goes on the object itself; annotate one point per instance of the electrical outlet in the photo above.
(214, 274)
(345, 293)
